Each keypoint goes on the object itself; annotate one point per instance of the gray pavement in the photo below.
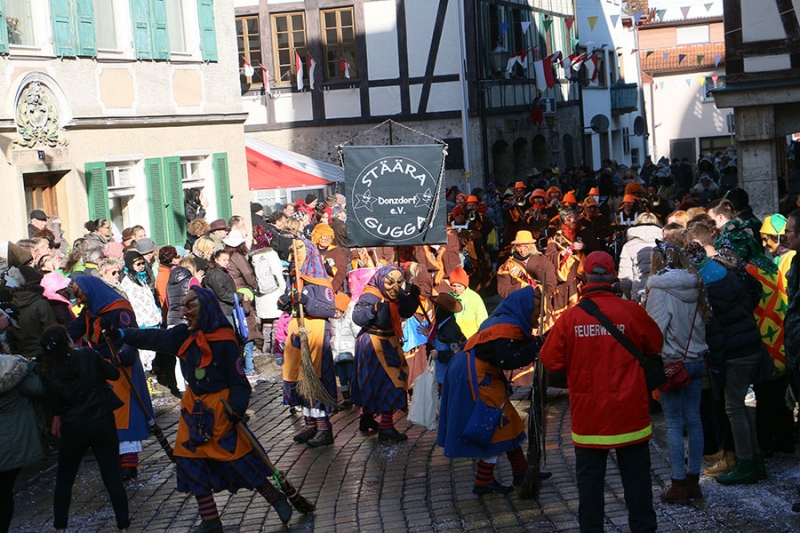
(359, 485)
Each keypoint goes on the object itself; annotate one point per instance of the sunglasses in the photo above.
(138, 263)
(115, 272)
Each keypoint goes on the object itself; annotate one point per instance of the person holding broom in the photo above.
(211, 453)
(311, 303)
(381, 371)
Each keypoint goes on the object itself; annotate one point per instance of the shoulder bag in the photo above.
(677, 375)
(653, 366)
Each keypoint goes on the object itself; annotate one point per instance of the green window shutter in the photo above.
(223, 186)
(155, 201)
(3, 34)
(208, 34)
(63, 32)
(97, 190)
(87, 43)
(158, 27)
(176, 216)
(140, 18)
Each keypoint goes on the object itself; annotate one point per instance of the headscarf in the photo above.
(376, 287)
(312, 266)
(212, 325)
(99, 294)
(513, 319)
(52, 283)
(262, 238)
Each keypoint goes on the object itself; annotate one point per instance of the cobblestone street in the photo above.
(360, 485)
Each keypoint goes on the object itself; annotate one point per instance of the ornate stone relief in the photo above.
(37, 118)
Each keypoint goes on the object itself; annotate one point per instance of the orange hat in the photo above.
(569, 198)
(519, 185)
(594, 191)
(523, 237)
(461, 195)
(552, 190)
(538, 193)
(629, 198)
(473, 199)
(342, 301)
(589, 201)
(634, 188)
(459, 275)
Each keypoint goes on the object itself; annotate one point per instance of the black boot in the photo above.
(367, 424)
(129, 472)
(492, 488)
(322, 438)
(391, 434)
(283, 508)
(304, 436)
(209, 526)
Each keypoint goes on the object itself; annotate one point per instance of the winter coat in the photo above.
(791, 323)
(218, 280)
(336, 260)
(672, 300)
(142, 300)
(177, 287)
(35, 315)
(242, 273)
(343, 335)
(193, 211)
(267, 263)
(634, 261)
(732, 331)
(21, 424)
(609, 401)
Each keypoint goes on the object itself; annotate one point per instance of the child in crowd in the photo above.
(343, 343)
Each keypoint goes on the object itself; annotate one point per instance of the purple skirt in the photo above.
(204, 476)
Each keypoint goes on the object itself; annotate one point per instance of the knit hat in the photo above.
(569, 198)
(461, 196)
(342, 301)
(255, 207)
(599, 263)
(551, 191)
(447, 302)
(774, 225)
(594, 191)
(457, 210)
(310, 198)
(589, 201)
(459, 275)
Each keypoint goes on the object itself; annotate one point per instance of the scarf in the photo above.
(201, 339)
(570, 233)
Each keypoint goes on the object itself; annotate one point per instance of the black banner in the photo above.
(394, 195)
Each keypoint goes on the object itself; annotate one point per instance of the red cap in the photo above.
(599, 263)
(457, 210)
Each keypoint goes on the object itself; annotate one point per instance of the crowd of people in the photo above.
(100, 326)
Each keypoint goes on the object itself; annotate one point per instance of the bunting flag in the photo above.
(575, 41)
(544, 74)
(648, 53)
(681, 57)
(637, 17)
(603, 46)
(688, 82)
(660, 14)
(265, 76)
(634, 50)
(344, 66)
(546, 24)
(312, 67)
(503, 28)
(576, 60)
(702, 80)
(248, 69)
(685, 11)
(717, 59)
(655, 88)
(569, 22)
(661, 84)
(665, 56)
(525, 24)
(614, 19)
(708, 6)
(520, 57)
(298, 70)
(592, 22)
(700, 59)
(591, 68)
(714, 79)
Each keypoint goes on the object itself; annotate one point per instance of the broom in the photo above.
(155, 429)
(536, 453)
(310, 387)
(297, 500)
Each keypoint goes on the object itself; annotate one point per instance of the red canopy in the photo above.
(271, 167)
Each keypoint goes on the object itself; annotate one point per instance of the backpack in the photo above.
(265, 277)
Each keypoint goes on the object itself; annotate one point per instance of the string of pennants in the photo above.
(688, 81)
(660, 15)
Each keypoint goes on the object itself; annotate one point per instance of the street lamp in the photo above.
(499, 59)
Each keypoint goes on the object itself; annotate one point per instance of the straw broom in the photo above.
(310, 387)
(297, 500)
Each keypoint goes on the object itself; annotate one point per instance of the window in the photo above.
(118, 177)
(712, 82)
(106, 32)
(191, 172)
(692, 35)
(626, 140)
(121, 183)
(501, 28)
(19, 22)
(635, 159)
(339, 43)
(177, 39)
(712, 145)
(288, 39)
(249, 42)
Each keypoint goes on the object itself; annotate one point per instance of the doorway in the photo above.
(40, 191)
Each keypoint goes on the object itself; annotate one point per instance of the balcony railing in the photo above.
(624, 98)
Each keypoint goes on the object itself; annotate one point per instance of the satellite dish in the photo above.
(638, 126)
(599, 124)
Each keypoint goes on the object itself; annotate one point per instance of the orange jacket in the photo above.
(609, 402)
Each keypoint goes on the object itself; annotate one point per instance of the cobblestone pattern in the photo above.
(360, 485)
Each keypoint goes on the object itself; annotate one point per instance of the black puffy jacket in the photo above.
(220, 281)
(732, 331)
(177, 287)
